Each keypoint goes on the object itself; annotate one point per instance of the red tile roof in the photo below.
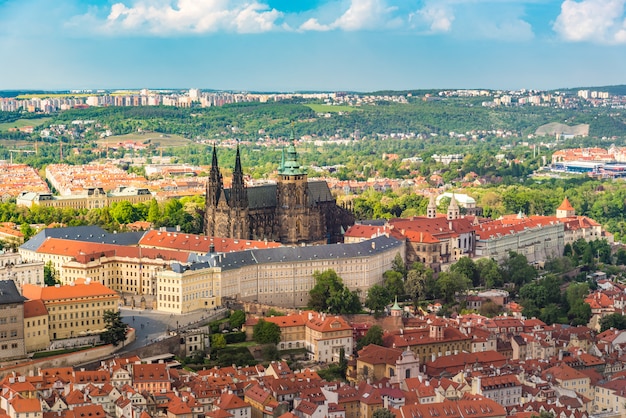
(200, 243)
(565, 205)
(48, 293)
(34, 308)
(81, 250)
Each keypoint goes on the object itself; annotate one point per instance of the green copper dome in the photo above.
(289, 165)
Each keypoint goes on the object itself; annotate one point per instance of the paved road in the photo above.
(152, 325)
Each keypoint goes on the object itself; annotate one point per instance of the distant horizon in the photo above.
(100, 90)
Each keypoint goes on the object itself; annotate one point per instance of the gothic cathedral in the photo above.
(292, 211)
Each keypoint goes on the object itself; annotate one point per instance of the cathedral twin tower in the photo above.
(292, 211)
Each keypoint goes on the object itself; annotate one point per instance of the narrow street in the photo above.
(151, 326)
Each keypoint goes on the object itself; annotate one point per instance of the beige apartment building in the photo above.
(185, 289)
(36, 335)
(11, 321)
(284, 276)
(279, 276)
(75, 310)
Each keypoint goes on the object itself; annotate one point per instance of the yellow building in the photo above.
(36, 336)
(183, 289)
(92, 198)
(74, 310)
(611, 397)
(569, 378)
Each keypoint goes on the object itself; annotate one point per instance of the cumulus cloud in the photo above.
(437, 17)
(163, 17)
(592, 20)
(360, 15)
(473, 19)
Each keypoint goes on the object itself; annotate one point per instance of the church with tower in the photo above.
(292, 211)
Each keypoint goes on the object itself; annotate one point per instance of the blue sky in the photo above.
(286, 45)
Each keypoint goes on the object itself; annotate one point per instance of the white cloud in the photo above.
(516, 29)
(164, 17)
(360, 15)
(592, 20)
(473, 19)
(438, 17)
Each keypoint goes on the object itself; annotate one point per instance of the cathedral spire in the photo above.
(214, 184)
(238, 192)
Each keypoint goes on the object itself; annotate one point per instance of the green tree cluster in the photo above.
(115, 328)
(330, 295)
(265, 332)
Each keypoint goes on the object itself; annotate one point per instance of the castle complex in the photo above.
(292, 211)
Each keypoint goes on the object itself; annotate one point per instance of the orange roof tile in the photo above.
(49, 293)
(565, 205)
(200, 243)
(34, 308)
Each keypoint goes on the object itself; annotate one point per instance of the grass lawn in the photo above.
(44, 354)
(322, 108)
(22, 122)
(162, 140)
(245, 344)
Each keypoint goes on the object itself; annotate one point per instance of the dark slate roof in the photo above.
(264, 196)
(373, 222)
(240, 259)
(319, 192)
(93, 234)
(9, 293)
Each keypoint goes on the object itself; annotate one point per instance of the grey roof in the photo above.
(264, 196)
(373, 222)
(319, 192)
(9, 293)
(240, 259)
(83, 233)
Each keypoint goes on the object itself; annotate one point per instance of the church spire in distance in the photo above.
(238, 192)
(214, 185)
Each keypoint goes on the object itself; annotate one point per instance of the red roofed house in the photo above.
(19, 407)
(263, 403)
(375, 362)
(152, 378)
(452, 364)
(434, 239)
(234, 405)
(437, 339)
(323, 335)
(569, 378)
